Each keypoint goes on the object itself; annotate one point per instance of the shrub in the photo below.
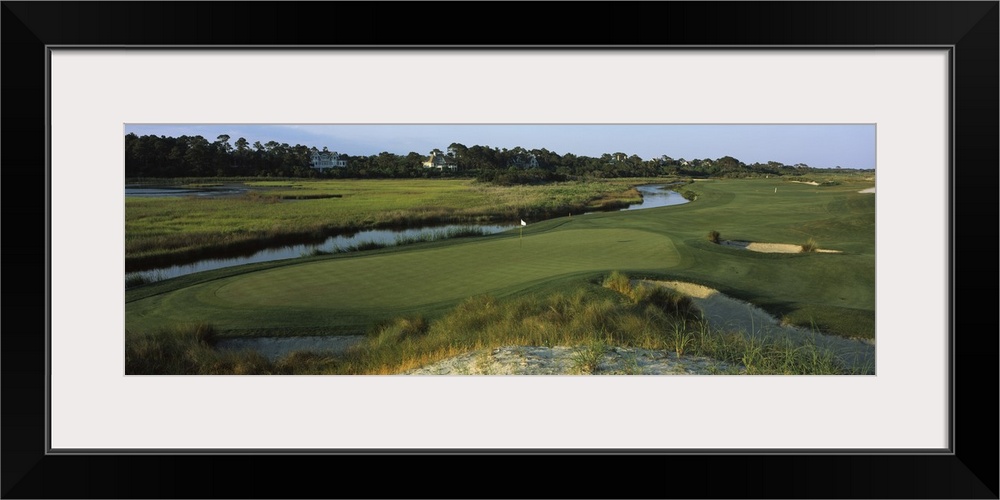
(810, 246)
(670, 302)
(619, 283)
(713, 236)
(399, 330)
(205, 334)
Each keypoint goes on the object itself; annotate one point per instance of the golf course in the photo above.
(827, 287)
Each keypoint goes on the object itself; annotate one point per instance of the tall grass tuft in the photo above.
(619, 283)
(584, 319)
(810, 246)
(668, 300)
(644, 294)
(205, 334)
(188, 351)
(587, 358)
(680, 337)
(714, 236)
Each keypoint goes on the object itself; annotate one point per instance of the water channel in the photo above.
(653, 196)
(273, 348)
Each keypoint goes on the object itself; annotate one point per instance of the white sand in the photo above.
(771, 247)
(564, 360)
(869, 190)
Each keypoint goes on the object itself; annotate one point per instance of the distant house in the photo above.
(322, 160)
(529, 161)
(440, 162)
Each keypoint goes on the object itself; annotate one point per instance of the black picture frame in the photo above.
(969, 470)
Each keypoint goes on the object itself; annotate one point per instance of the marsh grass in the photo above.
(189, 350)
(669, 301)
(179, 228)
(259, 197)
(618, 282)
(457, 232)
(838, 292)
(135, 279)
(590, 321)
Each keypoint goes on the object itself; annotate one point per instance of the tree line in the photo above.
(195, 156)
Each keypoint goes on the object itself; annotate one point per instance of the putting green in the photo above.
(350, 293)
(347, 294)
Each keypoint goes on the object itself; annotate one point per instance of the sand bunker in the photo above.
(869, 190)
(771, 247)
(811, 183)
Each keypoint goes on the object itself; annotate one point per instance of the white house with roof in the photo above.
(440, 162)
(322, 160)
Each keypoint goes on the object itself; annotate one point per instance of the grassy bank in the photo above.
(167, 230)
(348, 293)
(593, 317)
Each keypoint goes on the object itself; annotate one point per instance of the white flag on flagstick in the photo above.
(523, 223)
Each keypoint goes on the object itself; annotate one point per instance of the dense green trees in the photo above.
(194, 156)
(187, 156)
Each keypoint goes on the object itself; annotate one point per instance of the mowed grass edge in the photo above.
(834, 292)
(591, 318)
(348, 295)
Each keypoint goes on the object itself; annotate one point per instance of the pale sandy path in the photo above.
(564, 360)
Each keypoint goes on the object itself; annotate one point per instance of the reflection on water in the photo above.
(274, 348)
(653, 196)
(333, 244)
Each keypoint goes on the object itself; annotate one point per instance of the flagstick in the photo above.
(520, 237)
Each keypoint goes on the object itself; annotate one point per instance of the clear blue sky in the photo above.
(824, 146)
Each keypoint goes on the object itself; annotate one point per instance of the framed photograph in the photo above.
(927, 87)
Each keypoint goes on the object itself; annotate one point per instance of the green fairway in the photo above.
(349, 293)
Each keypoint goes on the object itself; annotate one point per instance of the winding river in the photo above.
(653, 196)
